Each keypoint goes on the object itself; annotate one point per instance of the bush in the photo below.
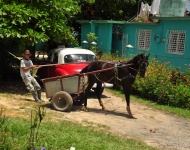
(164, 85)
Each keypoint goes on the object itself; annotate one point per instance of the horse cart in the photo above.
(64, 91)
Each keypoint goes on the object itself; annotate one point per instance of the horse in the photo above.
(123, 73)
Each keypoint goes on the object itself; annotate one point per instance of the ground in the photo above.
(156, 128)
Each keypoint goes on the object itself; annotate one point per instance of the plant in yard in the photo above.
(91, 37)
(12, 138)
(4, 134)
(164, 85)
(36, 119)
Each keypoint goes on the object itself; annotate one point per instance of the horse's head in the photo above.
(143, 64)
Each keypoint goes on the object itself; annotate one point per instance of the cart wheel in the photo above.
(62, 101)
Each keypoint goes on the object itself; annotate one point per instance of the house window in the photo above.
(144, 39)
(176, 42)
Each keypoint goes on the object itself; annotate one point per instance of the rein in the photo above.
(116, 72)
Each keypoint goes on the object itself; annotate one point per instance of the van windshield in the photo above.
(78, 58)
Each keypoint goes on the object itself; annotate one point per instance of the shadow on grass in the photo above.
(14, 87)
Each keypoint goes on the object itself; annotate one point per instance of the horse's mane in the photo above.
(106, 61)
(133, 60)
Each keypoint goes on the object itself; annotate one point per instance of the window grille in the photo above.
(176, 41)
(144, 39)
(118, 29)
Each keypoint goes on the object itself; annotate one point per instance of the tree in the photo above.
(111, 9)
(26, 22)
(32, 21)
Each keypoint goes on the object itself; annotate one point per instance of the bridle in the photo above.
(143, 65)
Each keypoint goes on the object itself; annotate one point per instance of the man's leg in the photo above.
(31, 88)
(37, 88)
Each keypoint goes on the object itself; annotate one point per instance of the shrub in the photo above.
(164, 85)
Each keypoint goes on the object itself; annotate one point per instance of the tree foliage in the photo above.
(111, 9)
(31, 21)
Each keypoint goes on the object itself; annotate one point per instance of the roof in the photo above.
(65, 51)
(172, 18)
(101, 21)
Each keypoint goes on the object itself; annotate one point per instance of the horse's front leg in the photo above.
(127, 92)
(98, 94)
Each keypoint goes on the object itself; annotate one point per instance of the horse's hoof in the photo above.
(85, 109)
(103, 108)
(132, 117)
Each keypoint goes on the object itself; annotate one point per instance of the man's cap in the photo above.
(26, 52)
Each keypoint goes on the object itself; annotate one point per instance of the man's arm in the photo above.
(27, 68)
(24, 68)
(34, 67)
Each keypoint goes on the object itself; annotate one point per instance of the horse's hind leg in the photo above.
(87, 91)
(98, 94)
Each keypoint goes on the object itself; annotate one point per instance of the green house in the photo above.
(167, 38)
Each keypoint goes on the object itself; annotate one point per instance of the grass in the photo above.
(61, 135)
(176, 111)
(64, 134)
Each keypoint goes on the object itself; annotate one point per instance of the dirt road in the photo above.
(156, 128)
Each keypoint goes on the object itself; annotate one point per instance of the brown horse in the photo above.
(123, 73)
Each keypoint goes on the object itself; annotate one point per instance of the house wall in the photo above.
(108, 41)
(85, 29)
(102, 31)
(176, 59)
(159, 46)
(132, 30)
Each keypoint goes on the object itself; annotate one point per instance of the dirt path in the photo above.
(154, 127)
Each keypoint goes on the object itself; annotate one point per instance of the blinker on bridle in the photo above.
(143, 62)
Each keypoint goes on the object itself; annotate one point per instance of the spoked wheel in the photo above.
(62, 101)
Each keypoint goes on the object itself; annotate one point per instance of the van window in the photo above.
(78, 58)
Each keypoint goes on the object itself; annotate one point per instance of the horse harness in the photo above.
(116, 66)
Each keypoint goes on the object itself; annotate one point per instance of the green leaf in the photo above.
(1, 36)
(18, 35)
(14, 22)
